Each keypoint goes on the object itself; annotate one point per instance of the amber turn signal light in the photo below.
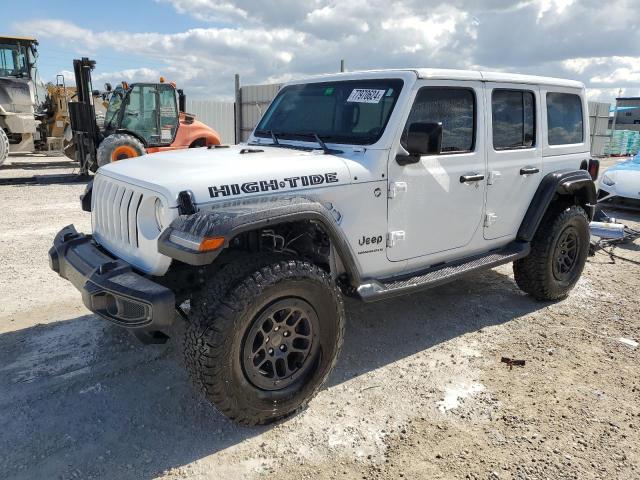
(213, 243)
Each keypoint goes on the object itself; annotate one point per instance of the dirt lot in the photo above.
(419, 391)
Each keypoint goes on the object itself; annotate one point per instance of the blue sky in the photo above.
(201, 44)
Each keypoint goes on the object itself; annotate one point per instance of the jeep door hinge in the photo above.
(394, 237)
(490, 219)
(396, 188)
(494, 176)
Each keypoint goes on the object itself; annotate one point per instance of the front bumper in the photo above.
(111, 288)
(608, 195)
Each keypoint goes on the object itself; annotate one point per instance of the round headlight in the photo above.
(159, 208)
(607, 180)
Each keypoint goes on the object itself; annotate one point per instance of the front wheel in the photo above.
(558, 254)
(260, 343)
(118, 146)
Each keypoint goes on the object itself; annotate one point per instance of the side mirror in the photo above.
(422, 139)
(108, 87)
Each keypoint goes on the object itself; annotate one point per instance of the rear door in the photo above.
(514, 155)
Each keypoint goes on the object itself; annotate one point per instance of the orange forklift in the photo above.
(140, 118)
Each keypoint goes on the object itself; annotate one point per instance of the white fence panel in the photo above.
(598, 124)
(255, 99)
(217, 115)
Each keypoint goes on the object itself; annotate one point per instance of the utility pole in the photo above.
(342, 65)
(238, 110)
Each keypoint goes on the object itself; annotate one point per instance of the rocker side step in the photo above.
(374, 290)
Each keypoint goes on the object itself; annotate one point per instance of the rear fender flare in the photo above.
(231, 219)
(576, 184)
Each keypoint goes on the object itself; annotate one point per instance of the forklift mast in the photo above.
(82, 114)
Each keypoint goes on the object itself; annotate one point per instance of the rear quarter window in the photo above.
(564, 119)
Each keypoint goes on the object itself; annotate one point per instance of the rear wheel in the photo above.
(261, 340)
(558, 254)
(4, 146)
(119, 146)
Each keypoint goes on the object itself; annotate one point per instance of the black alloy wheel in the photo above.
(566, 254)
(280, 347)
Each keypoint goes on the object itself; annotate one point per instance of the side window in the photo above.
(564, 119)
(7, 64)
(455, 108)
(513, 113)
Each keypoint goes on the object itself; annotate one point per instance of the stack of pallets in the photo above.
(623, 143)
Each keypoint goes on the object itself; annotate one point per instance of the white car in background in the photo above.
(620, 184)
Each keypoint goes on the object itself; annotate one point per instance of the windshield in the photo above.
(13, 61)
(351, 112)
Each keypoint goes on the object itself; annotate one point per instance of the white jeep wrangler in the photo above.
(370, 184)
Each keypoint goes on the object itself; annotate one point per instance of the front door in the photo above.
(168, 113)
(514, 156)
(437, 204)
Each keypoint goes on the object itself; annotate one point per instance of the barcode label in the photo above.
(365, 95)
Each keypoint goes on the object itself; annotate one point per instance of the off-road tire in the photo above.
(4, 146)
(128, 144)
(221, 317)
(534, 274)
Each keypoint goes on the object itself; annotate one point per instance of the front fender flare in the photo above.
(572, 183)
(233, 218)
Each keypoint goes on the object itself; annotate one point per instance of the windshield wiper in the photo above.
(317, 138)
(321, 143)
(272, 134)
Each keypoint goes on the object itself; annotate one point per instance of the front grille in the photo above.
(115, 211)
(124, 224)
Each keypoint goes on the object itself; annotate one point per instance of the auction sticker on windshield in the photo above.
(365, 95)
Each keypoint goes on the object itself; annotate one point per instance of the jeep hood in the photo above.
(220, 174)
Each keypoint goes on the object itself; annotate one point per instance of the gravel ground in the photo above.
(419, 391)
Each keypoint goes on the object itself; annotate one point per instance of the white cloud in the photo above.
(621, 71)
(619, 76)
(208, 10)
(554, 7)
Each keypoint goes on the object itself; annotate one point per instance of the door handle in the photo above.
(529, 170)
(472, 177)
